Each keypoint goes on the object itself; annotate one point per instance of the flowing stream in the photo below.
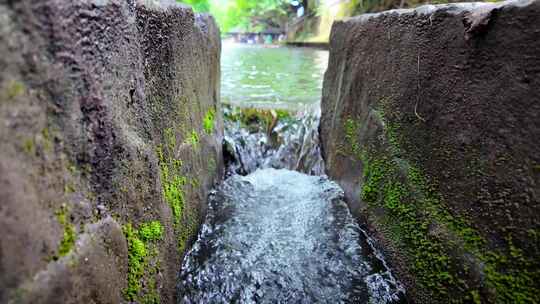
(277, 229)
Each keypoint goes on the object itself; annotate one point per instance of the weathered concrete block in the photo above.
(110, 122)
(430, 122)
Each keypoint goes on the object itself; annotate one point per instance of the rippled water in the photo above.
(270, 77)
(279, 236)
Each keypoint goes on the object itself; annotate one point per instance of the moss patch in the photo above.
(255, 119)
(209, 121)
(194, 139)
(69, 236)
(414, 216)
(13, 89)
(172, 183)
(140, 250)
(187, 230)
(151, 231)
(29, 147)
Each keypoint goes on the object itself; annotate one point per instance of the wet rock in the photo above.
(104, 105)
(414, 102)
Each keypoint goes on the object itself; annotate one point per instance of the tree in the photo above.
(249, 15)
(198, 5)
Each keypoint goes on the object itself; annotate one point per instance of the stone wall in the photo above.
(430, 122)
(111, 140)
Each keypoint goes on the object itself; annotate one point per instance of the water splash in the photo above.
(292, 144)
(278, 236)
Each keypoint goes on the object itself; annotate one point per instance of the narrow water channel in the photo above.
(277, 229)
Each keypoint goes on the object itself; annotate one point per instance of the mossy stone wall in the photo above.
(111, 140)
(429, 120)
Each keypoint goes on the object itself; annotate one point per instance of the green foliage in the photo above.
(208, 121)
(356, 7)
(248, 15)
(197, 5)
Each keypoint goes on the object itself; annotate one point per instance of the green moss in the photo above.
(47, 142)
(208, 121)
(69, 236)
(171, 180)
(72, 169)
(195, 182)
(174, 184)
(212, 165)
(151, 297)
(140, 249)
(14, 89)
(151, 231)
(187, 230)
(254, 118)
(69, 188)
(29, 147)
(136, 261)
(433, 239)
(283, 114)
(384, 187)
(174, 195)
(193, 139)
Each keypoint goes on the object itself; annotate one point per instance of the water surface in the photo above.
(279, 236)
(271, 77)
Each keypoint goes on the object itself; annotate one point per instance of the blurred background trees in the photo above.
(303, 20)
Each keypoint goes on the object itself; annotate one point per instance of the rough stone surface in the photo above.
(431, 117)
(107, 118)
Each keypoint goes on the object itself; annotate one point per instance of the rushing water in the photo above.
(273, 234)
(292, 144)
(279, 236)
